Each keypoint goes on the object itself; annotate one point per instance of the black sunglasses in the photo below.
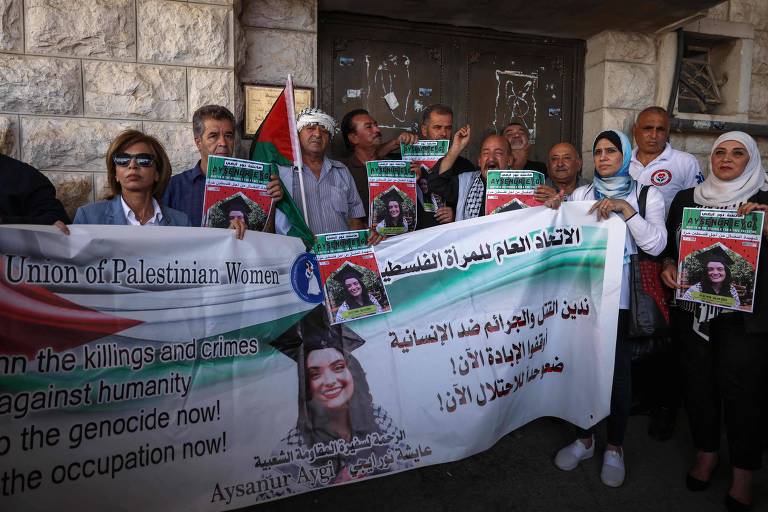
(143, 159)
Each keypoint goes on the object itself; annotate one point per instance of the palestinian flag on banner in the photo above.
(276, 141)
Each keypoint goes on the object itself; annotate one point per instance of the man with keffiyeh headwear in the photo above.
(333, 203)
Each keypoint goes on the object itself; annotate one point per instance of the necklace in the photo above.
(145, 217)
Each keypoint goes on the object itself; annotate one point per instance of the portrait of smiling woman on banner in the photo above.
(339, 428)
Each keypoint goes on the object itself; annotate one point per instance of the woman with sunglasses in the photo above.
(138, 170)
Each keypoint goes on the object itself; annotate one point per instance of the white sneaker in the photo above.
(613, 470)
(570, 456)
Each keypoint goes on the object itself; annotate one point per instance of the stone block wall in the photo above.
(277, 37)
(75, 73)
(620, 80)
(625, 72)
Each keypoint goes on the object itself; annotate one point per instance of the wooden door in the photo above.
(395, 69)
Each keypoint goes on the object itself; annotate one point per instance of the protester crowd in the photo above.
(724, 353)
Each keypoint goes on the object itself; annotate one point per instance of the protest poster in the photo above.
(511, 190)
(719, 251)
(426, 153)
(182, 362)
(350, 276)
(392, 196)
(236, 189)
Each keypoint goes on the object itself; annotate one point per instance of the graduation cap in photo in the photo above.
(236, 203)
(347, 271)
(511, 206)
(314, 332)
(391, 195)
(714, 253)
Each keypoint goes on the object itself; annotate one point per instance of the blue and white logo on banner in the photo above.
(305, 278)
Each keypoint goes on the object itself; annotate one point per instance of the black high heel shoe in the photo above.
(734, 505)
(696, 485)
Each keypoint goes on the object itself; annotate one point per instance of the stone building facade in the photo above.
(626, 71)
(74, 73)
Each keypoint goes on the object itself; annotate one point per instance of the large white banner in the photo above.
(181, 369)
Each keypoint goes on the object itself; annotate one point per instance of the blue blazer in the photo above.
(111, 212)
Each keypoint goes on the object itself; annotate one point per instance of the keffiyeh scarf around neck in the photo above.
(475, 197)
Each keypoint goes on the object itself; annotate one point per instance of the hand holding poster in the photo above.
(392, 196)
(236, 189)
(350, 275)
(719, 252)
(511, 190)
(180, 361)
(426, 153)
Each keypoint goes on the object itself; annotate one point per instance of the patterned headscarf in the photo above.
(718, 193)
(312, 115)
(620, 184)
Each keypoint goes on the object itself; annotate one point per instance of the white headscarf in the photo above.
(718, 193)
(311, 115)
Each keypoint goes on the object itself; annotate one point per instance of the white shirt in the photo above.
(649, 233)
(670, 172)
(157, 216)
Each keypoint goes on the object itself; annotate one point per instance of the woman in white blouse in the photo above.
(614, 191)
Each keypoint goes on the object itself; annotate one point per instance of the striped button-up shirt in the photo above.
(332, 199)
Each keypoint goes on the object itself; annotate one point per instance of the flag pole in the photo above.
(298, 164)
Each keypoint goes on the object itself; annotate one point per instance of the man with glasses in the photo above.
(214, 130)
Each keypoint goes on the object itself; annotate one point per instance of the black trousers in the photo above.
(725, 374)
(621, 392)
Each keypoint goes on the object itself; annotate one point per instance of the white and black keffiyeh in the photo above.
(475, 198)
(310, 116)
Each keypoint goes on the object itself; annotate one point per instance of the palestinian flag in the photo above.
(276, 141)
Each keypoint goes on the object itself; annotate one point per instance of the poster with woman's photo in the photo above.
(350, 275)
(342, 434)
(426, 153)
(236, 189)
(392, 196)
(719, 252)
(511, 190)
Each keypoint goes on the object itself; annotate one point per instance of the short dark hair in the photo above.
(161, 162)
(210, 112)
(346, 124)
(516, 122)
(437, 108)
(653, 110)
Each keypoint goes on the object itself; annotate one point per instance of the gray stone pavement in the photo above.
(517, 474)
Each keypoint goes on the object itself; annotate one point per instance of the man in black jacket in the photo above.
(27, 196)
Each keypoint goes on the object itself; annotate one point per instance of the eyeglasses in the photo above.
(143, 159)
